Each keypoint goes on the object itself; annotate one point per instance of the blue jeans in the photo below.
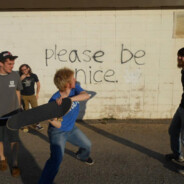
(176, 132)
(58, 140)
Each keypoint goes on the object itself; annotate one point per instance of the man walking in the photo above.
(176, 128)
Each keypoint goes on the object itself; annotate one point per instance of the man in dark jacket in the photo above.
(176, 129)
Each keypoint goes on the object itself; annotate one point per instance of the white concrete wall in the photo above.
(128, 58)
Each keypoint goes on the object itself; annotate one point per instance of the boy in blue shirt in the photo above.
(60, 132)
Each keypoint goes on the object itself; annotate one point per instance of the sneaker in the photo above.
(181, 171)
(15, 171)
(89, 161)
(180, 159)
(3, 165)
(39, 127)
(172, 157)
(25, 129)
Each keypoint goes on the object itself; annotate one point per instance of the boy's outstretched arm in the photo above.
(81, 97)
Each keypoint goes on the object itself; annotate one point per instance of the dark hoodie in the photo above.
(182, 80)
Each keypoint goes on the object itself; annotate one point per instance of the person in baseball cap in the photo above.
(10, 98)
(5, 55)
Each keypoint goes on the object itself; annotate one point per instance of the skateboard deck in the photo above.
(4, 118)
(38, 114)
(7, 116)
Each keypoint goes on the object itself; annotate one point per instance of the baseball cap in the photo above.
(6, 54)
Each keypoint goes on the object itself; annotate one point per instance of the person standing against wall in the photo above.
(29, 80)
(10, 102)
(176, 129)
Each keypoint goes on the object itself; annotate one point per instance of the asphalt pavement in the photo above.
(125, 152)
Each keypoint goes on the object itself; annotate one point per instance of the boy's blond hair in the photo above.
(62, 77)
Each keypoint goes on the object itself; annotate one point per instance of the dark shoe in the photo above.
(181, 171)
(172, 157)
(3, 165)
(89, 161)
(39, 127)
(15, 171)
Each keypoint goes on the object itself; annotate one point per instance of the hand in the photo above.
(23, 77)
(37, 96)
(55, 122)
(59, 101)
(21, 108)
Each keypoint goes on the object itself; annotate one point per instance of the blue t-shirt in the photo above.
(70, 118)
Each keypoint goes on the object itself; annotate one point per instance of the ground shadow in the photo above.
(153, 154)
(30, 171)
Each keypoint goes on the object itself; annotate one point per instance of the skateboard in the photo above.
(4, 118)
(38, 114)
(7, 116)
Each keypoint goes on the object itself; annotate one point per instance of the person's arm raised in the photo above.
(81, 97)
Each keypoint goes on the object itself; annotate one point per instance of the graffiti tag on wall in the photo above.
(89, 74)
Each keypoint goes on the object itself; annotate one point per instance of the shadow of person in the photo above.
(30, 171)
(83, 103)
(152, 154)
